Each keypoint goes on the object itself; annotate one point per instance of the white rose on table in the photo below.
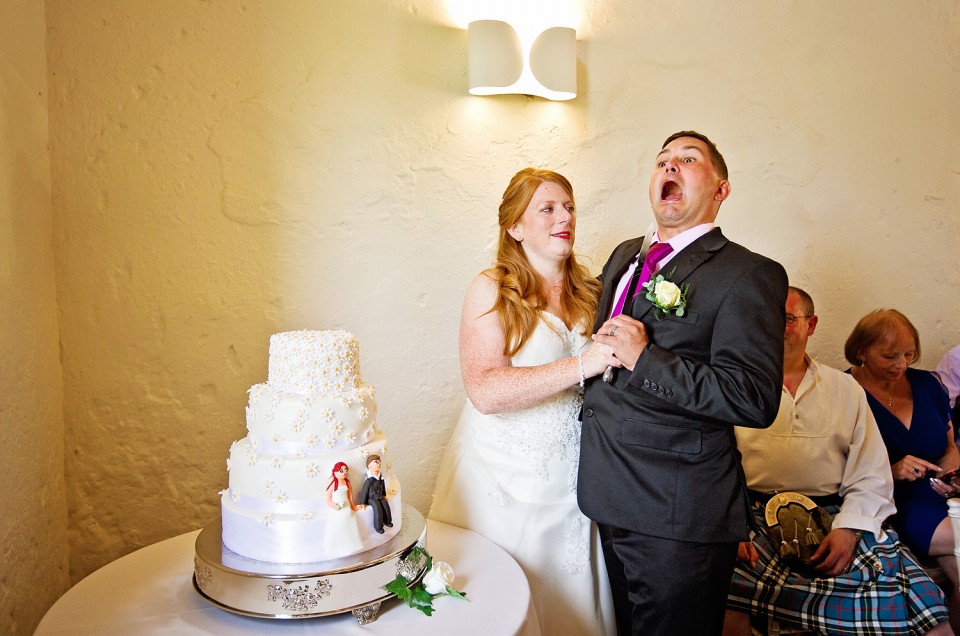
(667, 294)
(438, 579)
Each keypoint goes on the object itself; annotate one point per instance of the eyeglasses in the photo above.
(792, 319)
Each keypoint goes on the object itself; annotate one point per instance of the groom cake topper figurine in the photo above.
(374, 494)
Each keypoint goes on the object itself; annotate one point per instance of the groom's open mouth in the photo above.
(670, 191)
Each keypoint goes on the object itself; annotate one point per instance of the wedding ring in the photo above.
(613, 330)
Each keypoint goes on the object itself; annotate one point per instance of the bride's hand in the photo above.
(597, 358)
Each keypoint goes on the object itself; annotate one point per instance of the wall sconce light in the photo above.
(501, 64)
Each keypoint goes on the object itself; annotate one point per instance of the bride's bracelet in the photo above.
(583, 378)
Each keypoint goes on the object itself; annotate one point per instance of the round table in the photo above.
(151, 591)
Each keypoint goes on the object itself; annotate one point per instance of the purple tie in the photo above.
(655, 254)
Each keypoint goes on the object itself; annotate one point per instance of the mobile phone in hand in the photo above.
(951, 477)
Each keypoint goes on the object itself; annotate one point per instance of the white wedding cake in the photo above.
(313, 413)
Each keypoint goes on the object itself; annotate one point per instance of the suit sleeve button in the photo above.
(588, 412)
(646, 383)
(669, 393)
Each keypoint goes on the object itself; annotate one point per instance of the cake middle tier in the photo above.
(279, 422)
(304, 474)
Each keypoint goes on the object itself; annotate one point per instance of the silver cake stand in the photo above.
(303, 590)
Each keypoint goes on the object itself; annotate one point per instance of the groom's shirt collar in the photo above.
(683, 239)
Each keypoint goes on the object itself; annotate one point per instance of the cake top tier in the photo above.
(314, 362)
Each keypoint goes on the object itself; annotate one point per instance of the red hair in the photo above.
(334, 482)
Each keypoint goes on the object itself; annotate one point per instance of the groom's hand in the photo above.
(626, 336)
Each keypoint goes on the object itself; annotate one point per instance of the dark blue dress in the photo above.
(920, 509)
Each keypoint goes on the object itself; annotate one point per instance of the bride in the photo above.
(510, 469)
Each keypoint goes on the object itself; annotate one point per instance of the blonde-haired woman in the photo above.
(510, 469)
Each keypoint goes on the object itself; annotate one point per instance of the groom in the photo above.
(659, 467)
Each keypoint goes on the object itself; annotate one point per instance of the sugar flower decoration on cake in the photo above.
(298, 422)
(666, 295)
(277, 461)
(269, 486)
(228, 464)
(234, 495)
(351, 437)
(419, 594)
(313, 470)
(328, 415)
(312, 441)
(307, 516)
(363, 412)
(329, 442)
(337, 427)
(266, 519)
(281, 498)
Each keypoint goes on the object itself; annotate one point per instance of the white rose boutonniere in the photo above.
(666, 295)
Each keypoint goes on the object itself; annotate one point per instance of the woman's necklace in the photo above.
(875, 388)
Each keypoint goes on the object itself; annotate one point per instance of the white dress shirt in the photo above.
(824, 441)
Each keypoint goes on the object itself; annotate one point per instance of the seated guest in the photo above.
(913, 414)
(824, 444)
(949, 370)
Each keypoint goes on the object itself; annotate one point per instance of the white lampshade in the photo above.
(500, 64)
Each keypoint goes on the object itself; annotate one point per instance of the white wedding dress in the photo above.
(512, 478)
(343, 534)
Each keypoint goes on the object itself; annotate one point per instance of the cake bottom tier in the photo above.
(283, 590)
(291, 538)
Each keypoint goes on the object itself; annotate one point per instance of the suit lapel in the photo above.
(682, 266)
(619, 262)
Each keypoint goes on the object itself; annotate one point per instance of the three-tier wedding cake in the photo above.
(285, 503)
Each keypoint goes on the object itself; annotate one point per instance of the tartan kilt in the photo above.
(885, 592)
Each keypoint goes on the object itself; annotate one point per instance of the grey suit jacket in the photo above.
(658, 453)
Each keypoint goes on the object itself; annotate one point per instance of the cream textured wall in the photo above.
(33, 524)
(224, 170)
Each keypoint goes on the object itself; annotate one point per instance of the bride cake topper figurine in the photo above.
(343, 536)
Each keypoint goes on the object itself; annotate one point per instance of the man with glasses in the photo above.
(825, 445)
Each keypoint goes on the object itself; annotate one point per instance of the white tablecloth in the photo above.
(151, 591)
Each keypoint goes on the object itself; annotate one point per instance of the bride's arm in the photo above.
(492, 384)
